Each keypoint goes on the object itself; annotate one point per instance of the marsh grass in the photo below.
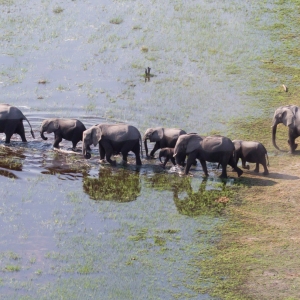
(58, 10)
(117, 20)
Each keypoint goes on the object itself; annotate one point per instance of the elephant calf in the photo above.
(168, 153)
(252, 152)
(68, 129)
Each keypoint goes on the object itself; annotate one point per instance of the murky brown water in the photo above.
(71, 228)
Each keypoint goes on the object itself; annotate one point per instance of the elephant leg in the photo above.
(10, 128)
(108, 153)
(165, 162)
(204, 166)
(224, 170)
(264, 164)
(75, 141)
(173, 160)
(233, 164)
(136, 151)
(156, 147)
(256, 170)
(244, 166)
(291, 141)
(20, 131)
(101, 152)
(58, 139)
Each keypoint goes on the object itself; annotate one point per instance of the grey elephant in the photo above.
(252, 152)
(289, 115)
(168, 153)
(113, 138)
(68, 129)
(162, 137)
(213, 148)
(11, 121)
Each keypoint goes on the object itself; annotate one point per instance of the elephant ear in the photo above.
(237, 144)
(193, 143)
(52, 126)
(157, 135)
(288, 117)
(96, 135)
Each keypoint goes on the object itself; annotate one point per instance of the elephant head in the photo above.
(154, 135)
(49, 126)
(186, 144)
(287, 116)
(90, 136)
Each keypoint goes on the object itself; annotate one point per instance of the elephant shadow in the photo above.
(119, 185)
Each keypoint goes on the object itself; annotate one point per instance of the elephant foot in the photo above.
(256, 171)
(87, 155)
(223, 176)
(266, 173)
(239, 172)
(113, 163)
(124, 163)
(73, 149)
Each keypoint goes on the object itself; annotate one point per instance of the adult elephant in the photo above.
(213, 148)
(162, 137)
(113, 138)
(253, 152)
(68, 129)
(11, 121)
(289, 115)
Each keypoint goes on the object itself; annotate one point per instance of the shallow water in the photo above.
(72, 228)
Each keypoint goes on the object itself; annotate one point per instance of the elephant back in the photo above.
(10, 112)
(216, 143)
(119, 132)
(173, 133)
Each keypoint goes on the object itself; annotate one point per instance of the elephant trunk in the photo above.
(42, 135)
(146, 147)
(274, 128)
(86, 154)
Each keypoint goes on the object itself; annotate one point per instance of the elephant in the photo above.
(163, 137)
(68, 129)
(252, 152)
(168, 153)
(213, 148)
(11, 121)
(113, 138)
(289, 115)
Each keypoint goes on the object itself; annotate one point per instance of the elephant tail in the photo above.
(31, 131)
(141, 145)
(267, 159)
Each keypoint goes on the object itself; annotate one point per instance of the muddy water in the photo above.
(71, 228)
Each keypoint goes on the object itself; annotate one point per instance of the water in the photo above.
(75, 229)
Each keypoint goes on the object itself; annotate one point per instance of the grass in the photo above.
(117, 20)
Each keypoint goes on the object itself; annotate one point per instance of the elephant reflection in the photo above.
(111, 185)
(206, 201)
(66, 168)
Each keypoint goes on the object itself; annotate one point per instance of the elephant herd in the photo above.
(175, 144)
